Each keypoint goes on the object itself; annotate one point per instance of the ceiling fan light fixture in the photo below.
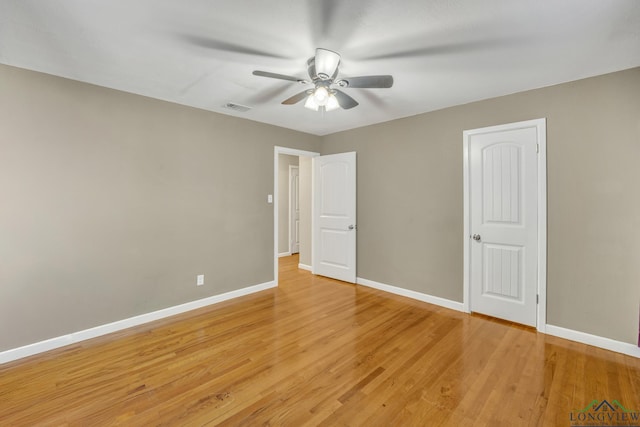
(311, 103)
(332, 103)
(321, 95)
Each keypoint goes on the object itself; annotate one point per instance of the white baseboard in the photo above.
(581, 337)
(453, 305)
(594, 340)
(281, 254)
(75, 337)
(304, 267)
(72, 338)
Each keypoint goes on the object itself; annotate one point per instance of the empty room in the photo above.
(320, 212)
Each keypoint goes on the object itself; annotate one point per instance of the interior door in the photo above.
(334, 216)
(504, 223)
(294, 209)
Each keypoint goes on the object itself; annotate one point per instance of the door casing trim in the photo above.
(541, 128)
(277, 150)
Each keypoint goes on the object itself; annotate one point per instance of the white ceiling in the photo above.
(202, 52)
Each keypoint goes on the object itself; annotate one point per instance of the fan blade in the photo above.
(444, 48)
(296, 98)
(368, 82)
(326, 63)
(277, 76)
(268, 95)
(224, 46)
(345, 100)
(332, 21)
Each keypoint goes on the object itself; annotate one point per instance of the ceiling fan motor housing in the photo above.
(311, 70)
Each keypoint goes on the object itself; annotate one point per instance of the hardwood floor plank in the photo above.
(316, 351)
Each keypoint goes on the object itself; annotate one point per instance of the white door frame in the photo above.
(276, 171)
(291, 208)
(541, 126)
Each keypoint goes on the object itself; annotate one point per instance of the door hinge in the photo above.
(537, 299)
(537, 148)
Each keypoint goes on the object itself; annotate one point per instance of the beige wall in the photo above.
(284, 161)
(410, 198)
(112, 203)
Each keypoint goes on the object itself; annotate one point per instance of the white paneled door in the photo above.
(503, 215)
(334, 216)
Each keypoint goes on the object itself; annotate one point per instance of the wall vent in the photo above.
(236, 107)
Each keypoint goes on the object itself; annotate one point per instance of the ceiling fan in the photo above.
(323, 72)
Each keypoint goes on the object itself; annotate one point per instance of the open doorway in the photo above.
(327, 244)
(287, 162)
(289, 205)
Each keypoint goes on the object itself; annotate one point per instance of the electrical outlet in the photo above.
(200, 280)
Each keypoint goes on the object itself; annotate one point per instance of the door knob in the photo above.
(476, 237)
(351, 227)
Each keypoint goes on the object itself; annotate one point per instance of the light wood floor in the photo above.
(317, 352)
